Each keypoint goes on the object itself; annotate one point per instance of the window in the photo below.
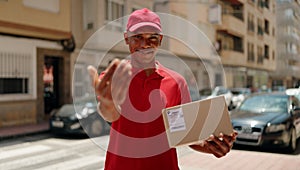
(250, 52)
(267, 30)
(15, 73)
(238, 44)
(250, 25)
(260, 3)
(260, 57)
(267, 52)
(13, 85)
(267, 4)
(89, 17)
(238, 12)
(115, 10)
(259, 27)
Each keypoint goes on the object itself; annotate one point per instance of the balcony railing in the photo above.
(286, 37)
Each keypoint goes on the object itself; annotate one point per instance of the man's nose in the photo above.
(145, 43)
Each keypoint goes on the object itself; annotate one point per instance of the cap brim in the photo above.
(149, 25)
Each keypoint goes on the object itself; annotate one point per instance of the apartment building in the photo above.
(190, 32)
(287, 73)
(247, 42)
(35, 46)
(98, 27)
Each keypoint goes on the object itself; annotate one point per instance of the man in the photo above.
(131, 96)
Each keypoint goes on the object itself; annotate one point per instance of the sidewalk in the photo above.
(11, 132)
(240, 159)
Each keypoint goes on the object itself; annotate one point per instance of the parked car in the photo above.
(85, 121)
(220, 90)
(293, 91)
(268, 120)
(238, 95)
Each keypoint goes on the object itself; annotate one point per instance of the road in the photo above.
(48, 152)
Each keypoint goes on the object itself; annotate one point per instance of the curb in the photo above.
(21, 131)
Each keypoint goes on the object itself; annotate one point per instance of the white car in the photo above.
(220, 90)
(293, 91)
(239, 94)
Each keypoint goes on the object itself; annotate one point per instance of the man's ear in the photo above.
(126, 38)
(160, 39)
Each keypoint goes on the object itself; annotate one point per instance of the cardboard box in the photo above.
(192, 122)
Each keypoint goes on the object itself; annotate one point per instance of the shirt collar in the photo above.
(157, 73)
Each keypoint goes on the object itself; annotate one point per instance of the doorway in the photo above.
(51, 79)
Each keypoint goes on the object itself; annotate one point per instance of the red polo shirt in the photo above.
(137, 139)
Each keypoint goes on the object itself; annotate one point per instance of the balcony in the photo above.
(232, 25)
(287, 37)
(290, 55)
(288, 20)
(234, 58)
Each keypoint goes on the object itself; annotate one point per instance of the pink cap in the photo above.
(142, 18)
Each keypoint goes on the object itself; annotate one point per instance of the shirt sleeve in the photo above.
(102, 75)
(185, 93)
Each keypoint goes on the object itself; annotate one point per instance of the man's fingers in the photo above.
(221, 144)
(121, 81)
(93, 74)
(215, 149)
(109, 73)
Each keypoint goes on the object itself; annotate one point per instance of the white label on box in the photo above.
(176, 120)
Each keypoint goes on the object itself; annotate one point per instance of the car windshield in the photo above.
(265, 104)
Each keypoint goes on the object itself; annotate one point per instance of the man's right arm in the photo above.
(108, 110)
(111, 95)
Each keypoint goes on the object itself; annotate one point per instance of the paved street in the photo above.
(47, 152)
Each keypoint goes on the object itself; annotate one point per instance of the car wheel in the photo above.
(96, 128)
(293, 141)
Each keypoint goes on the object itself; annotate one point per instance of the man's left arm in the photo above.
(218, 146)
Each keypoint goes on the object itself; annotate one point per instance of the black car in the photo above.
(268, 120)
(85, 121)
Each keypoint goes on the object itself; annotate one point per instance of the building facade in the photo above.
(287, 73)
(247, 42)
(35, 46)
(211, 43)
(99, 38)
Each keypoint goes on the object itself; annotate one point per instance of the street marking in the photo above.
(43, 158)
(23, 151)
(75, 163)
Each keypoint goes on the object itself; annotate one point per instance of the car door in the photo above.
(296, 113)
